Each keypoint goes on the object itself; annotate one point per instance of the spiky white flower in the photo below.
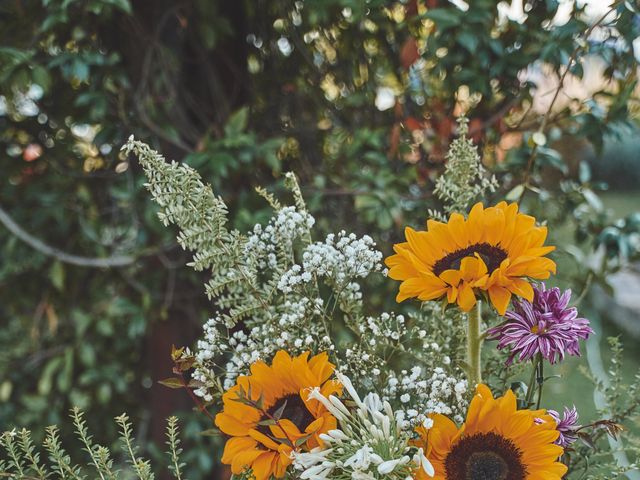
(370, 442)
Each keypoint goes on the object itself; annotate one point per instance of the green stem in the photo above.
(540, 382)
(532, 380)
(474, 346)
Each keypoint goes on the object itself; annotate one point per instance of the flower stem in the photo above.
(540, 382)
(532, 382)
(474, 346)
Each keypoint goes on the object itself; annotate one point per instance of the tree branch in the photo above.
(36, 244)
(545, 119)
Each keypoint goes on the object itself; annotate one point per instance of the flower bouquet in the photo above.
(318, 364)
(305, 378)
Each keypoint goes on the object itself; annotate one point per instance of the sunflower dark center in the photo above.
(484, 456)
(294, 410)
(490, 254)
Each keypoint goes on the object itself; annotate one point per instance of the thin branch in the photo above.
(17, 476)
(199, 405)
(39, 245)
(585, 289)
(546, 117)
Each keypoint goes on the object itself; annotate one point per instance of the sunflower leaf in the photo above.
(300, 441)
(260, 402)
(172, 382)
(267, 422)
(278, 413)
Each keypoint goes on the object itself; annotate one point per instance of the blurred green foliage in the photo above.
(359, 98)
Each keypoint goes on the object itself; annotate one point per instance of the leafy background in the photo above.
(358, 98)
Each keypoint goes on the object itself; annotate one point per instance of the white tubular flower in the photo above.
(383, 421)
(358, 475)
(423, 462)
(346, 382)
(390, 465)
(329, 405)
(368, 445)
(338, 434)
(361, 459)
(339, 405)
(308, 459)
(372, 402)
(315, 473)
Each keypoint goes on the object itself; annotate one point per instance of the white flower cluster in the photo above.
(207, 349)
(439, 393)
(388, 330)
(340, 258)
(279, 235)
(293, 331)
(369, 445)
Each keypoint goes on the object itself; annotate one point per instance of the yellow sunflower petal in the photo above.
(472, 268)
(458, 231)
(263, 439)
(451, 277)
(321, 367)
(236, 445)
(493, 225)
(264, 466)
(466, 297)
(522, 288)
(475, 223)
(500, 298)
(231, 425)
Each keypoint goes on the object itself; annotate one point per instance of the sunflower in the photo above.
(494, 250)
(497, 442)
(268, 414)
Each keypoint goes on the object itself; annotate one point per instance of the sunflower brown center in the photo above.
(291, 407)
(490, 254)
(484, 456)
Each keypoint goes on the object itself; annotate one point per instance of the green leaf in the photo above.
(123, 5)
(267, 422)
(300, 441)
(45, 382)
(444, 17)
(66, 374)
(278, 413)
(468, 40)
(515, 193)
(552, 158)
(56, 275)
(80, 70)
(172, 382)
(41, 77)
(237, 122)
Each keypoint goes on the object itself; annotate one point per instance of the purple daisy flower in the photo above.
(566, 425)
(546, 326)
